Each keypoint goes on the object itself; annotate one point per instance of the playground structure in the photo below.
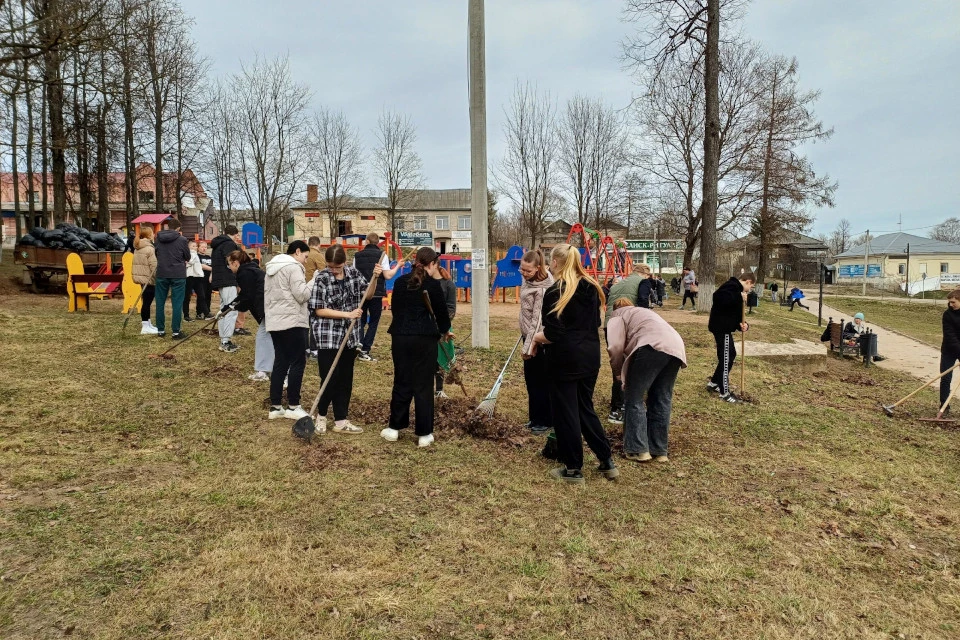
(603, 257)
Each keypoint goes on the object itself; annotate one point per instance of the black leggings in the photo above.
(290, 359)
(147, 301)
(340, 389)
(575, 420)
(689, 294)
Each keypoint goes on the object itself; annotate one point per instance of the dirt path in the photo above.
(901, 353)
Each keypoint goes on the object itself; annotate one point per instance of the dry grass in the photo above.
(144, 499)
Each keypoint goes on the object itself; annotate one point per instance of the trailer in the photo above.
(42, 263)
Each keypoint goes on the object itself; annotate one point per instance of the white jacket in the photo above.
(285, 294)
(194, 269)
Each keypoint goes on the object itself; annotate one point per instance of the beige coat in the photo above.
(314, 263)
(531, 304)
(633, 327)
(145, 263)
(285, 294)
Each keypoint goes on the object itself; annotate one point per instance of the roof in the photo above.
(786, 238)
(422, 200)
(150, 218)
(896, 244)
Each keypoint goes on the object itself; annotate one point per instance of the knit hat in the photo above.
(858, 316)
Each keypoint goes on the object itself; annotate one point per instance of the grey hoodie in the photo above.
(285, 294)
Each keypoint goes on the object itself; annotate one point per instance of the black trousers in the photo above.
(536, 375)
(575, 420)
(616, 391)
(947, 360)
(414, 366)
(195, 285)
(340, 388)
(796, 301)
(207, 292)
(689, 294)
(726, 354)
(290, 359)
(147, 302)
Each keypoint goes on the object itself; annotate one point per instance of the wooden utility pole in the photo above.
(866, 260)
(478, 176)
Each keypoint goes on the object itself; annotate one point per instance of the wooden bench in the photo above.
(837, 342)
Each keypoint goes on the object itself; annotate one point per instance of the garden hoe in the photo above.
(166, 354)
(489, 404)
(888, 408)
(943, 409)
(126, 320)
(306, 426)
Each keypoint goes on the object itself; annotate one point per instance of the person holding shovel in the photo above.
(571, 323)
(536, 281)
(950, 345)
(285, 297)
(419, 321)
(726, 317)
(250, 298)
(336, 300)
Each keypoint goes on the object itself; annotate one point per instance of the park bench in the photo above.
(80, 291)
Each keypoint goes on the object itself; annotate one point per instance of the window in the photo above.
(443, 223)
(944, 267)
(368, 217)
(344, 227)
(35, 197)
(902, 268)
(146, 196)
(463, 223)
(419, 223)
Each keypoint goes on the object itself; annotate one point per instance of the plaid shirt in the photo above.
(340, 295)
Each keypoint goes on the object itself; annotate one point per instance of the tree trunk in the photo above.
(13, 155)
(48, 218)
(711, 159)
(32, 203)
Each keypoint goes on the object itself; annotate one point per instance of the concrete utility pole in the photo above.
(866, 260)
(478, 177)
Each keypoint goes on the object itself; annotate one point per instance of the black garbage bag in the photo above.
(28, 240)
(37, 232)
(89, 246)
(53, 235)
(83, 233)
(55, 244)
(102, 240)
(119, 244)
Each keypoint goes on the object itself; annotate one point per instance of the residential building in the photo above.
(792, 252)
(194, 201)
(886, 260)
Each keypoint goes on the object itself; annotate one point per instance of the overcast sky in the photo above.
(887, 70)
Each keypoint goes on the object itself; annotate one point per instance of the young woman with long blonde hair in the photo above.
(571, 324)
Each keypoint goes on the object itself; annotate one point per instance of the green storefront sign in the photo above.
(415, 238)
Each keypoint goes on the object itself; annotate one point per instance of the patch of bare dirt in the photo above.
(860, 379)
(327, 454)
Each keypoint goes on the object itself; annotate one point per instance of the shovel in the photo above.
(305, 427)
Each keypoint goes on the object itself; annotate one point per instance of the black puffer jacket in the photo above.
(173, 251)
(222, 246)
(727, 312)
(951, 332)
(410, 314)
(250, 297)
(574, 349)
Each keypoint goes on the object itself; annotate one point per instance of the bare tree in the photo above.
(786, 122)
(839, 239)
(219, 157)
(947, 231)
(527, 172)
(397, 165)
(271, 136)
(337, 157)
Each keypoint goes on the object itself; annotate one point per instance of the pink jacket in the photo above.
(531, 302)
(633, 327)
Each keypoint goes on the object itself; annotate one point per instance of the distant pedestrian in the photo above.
(796, 295)
(950, 345)
(145, 274)
(336, 300)
(450, 297)
(415, 334)
(365, 260)
(646, 354)
(690, 288)
(571, 320)
(726, 317)
(250, 282)
(285, 297)
(774, 288)
(536, 374)
(173, 253)
(223, 280)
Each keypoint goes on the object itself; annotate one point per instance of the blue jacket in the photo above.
(796, 293)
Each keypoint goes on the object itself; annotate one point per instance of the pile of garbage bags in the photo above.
(74, 238)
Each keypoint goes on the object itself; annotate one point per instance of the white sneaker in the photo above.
(286, 379)
(149, 330)
(295, 413)
(259, 376)
(320, 424)
(390, 435)
(276, 412)
(347, 427)
(441, 395)
(425, 441)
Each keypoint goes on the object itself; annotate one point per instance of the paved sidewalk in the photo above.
(900, 352)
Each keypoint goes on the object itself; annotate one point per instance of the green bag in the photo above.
(550, 450)
(446, 355)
